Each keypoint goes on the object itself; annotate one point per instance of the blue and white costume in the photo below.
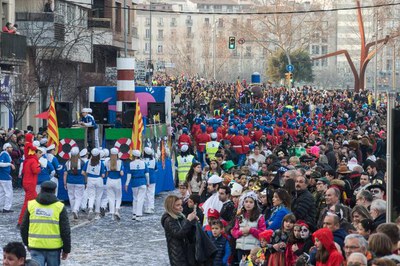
(47, 171)
(95, 186)
(6, 190)
(74, 181)
(88, 120)
(139, 173)
(151, 189)
(114, 185)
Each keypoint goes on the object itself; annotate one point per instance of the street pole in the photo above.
(125, 30)
(376, 59)
(214, 40)
(389, 188)
(150, 55)
(394, 67)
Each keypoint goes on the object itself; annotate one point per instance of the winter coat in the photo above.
(325, 236)
(179, 244)
(46, 198)
(275, 221)
(303, 207)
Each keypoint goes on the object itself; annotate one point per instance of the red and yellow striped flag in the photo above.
(52, 129)
(137, 128)
(238, 89)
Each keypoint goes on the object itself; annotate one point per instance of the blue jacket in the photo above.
(224, 250)
(276, 217)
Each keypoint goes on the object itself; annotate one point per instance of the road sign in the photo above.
(290, 68)
(241, 41)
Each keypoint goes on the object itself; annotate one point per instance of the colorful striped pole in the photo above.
(125, 81)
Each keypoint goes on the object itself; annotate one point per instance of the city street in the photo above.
(105, 242)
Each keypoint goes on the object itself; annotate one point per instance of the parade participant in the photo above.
(327, 253)
(84, 157)
(183, 163)
(52, 158)
(87, 120)
(94, 172)
(115, 170)
(30, 172)
(151, 189)
(211, 148)
(249, 224)
(104, 153)
(195, 179)
(74, 181)
(139, 173)
(238, 145)
(47, 171)
(184, 138)
(45, 229)
(179, 231)
(6, 189)
(201, 140)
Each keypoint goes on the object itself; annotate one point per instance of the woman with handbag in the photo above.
(179, 232)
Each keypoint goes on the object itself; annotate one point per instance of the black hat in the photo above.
(48, 186)
(377, 183)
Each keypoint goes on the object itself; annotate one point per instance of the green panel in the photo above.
(72, 133)
(117, 133)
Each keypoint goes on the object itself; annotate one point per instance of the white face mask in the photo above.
(304, 233)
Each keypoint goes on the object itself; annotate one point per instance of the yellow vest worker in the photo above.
(184, 162)
(212, 146)
(45, 228)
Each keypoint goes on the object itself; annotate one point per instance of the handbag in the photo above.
(204, 247)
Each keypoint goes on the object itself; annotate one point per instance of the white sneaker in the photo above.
(112, 217)
(75, 214)
(134, 217)
(117, 216)
(90, 214)
(97, 217)
(139, 218)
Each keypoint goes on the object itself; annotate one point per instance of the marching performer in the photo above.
(151, 189)
(74, 181)
(139, 173)
(6, 190)
(94, 171)
(84, 157)
(183, 163)
(47, 171)
(115, 170)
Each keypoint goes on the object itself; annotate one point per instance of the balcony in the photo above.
(12, 49)
(104, 23)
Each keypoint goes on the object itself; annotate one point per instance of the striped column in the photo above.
(125, 81)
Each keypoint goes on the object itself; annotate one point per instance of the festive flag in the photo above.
(156, 118)
(163, 154)
(52, 129)
(238, 89)
(137, 128)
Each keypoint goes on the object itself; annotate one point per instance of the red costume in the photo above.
(238, 144)
(184, 139)
(201, 141)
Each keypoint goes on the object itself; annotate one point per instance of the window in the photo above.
(234, 22)
(147, 47)
(160, 49)
(70, 14)
(147, 21)
(173, 22)
(220, 22)
(160, 22)
(207, 21)
(248, 51)
(248, 22)
(324, 49)
(324, 62)
(315, 49)
(160, 34)
(148, 34)
(118, 16)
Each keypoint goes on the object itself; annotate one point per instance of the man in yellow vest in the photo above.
(211, 147)
(45, 229)
(183, 163)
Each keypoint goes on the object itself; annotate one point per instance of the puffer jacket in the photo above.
(178, 233)
(303, 207)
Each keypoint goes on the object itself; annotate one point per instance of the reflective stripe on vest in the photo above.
(212, 149)
(44, 228)
(184, 164)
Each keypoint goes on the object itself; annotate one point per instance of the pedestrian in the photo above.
(30, 172)
(14, 254)
(179, 232)
(151, 189)
(74, 181)
(94, 171)
(115, 170)
(45, 229)
(139, 173)
(6, 189)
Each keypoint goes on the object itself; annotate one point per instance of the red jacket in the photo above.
(238, 144)
(184, 139)
(201, 141)
(247, 142)
(30, 171)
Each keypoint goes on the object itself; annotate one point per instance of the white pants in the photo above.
(139, 194)
(95, 190)
(84, 203)
(53, 179)
(75, 195)
(96, 138)
(149, 199)
(114, 194)
(104, 198)
(6, 194)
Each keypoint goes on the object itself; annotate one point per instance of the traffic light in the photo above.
(232, 42)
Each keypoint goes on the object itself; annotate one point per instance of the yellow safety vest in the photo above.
(211, 149)
(184, 164)
(44, 228)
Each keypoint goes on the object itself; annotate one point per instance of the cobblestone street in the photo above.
(104, 242)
